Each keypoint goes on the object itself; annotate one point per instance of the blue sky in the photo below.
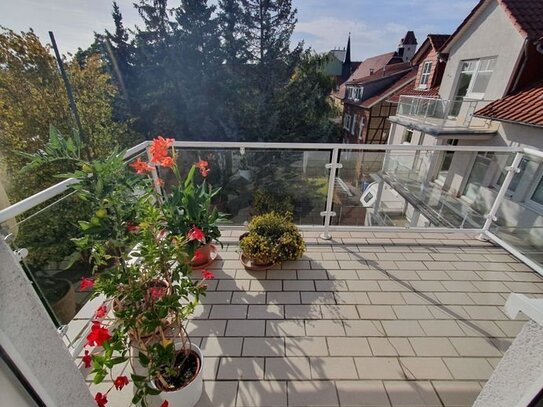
(376, 26)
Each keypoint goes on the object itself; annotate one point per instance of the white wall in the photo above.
(491, 34)
(13, 393)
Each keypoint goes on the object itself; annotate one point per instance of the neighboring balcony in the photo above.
(443, 117)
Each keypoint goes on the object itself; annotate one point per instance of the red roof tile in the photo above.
(526, 15)
(387, 70)
(524, 107)
(365, 68)
(409, 91)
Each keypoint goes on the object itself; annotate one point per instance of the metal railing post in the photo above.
(511, 171)
(328, 213)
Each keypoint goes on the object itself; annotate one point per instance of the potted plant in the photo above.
(189, 210)
(60, 294)
(144, 271)
(271, 238)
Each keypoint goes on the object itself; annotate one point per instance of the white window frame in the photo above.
(475, 72)
(355, 92)
(347, 121)
(353, 124)
(425, 75)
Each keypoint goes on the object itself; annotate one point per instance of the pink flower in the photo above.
(141, 167)
(101, 312)
(100, 399)
(87, 359)
(207, 275)
(86, 283)
(202, 165)
(120, 382)
(157, 292)
(98, 335)
(132, 227)
(196, 234)
(198, 256)
(165, 403)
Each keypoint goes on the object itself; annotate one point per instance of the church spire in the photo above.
(348, 53)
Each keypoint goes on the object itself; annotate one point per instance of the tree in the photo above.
(233, 43)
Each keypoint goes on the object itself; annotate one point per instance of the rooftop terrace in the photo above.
(367, 319)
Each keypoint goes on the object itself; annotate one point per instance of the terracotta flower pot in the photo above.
(208, 253)
(252, 264)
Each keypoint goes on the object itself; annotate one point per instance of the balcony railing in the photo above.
(327, 187)
(457, 113)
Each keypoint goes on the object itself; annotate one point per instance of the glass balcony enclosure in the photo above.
(442, 113)
(327, 188)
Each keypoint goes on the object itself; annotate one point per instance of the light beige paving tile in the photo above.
(522, 276)
(523, 287)
(510, 328)
(285, 328)
(324, 328)
(318, 297)
(487, 329)
(418, 368)
(280, 297)
(213, 297)
(363, 328)
(377, 368)
(411, 265)
(363, 285)
(362, 393)
(266, 285)
(449, 312)
(342, 274)
(230, 311)
(433, 347)
(433, 275)
(211, 364)
(261, 393)
(411, 394)
(403, 328)
(296, 285)
(390, 347)
(462, 286)
(247, 297)
(463, 275)
(458, 298)
(391, 286)
(218, 394)
(487, 299)
(371, 274)
(486, 312)
(491, 286)
(200, 327)
(427, 285)
(306, 311)
(298, 264)
(383, 298)
(412, 312)
(339, 312)
(288, 368)
(306, 346)
(457, 393)
(475, 347)
(403, 275)
(351, 264)
(263, 347)
(314, 393)
(245, 328)
(376, 312)
(469, 368)
(420, 298)
(324, 264)
(266, 312)
(213, 346)
(332, 368)
(241, 369)
(340, 346)
(331, 285)
(312, 275)
(233, 285)
(441, 328)
(351, 297)
(281, 275)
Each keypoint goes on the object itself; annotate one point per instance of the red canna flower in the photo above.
(165, 403)
(132, 227)
(196, 234)
(101, 312)
(167, 162)
(157, 292)
(207, 275)
(87, 359)
(198, 256)
(159, 148)
(101, 399)
(98, 335)
(120, 382)
(202, 165)
(86, 283)
(141, 167)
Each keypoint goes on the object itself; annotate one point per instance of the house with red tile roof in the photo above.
(490, 93)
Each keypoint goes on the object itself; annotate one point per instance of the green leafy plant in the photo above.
(273, 237)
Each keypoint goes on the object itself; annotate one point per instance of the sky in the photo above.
(376, 26)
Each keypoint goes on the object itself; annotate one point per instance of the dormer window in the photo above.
(425, 75)
(354, 92)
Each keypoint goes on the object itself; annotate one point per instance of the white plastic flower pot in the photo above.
(186, 396)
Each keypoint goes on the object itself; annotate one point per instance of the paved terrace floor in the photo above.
(368, 319)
